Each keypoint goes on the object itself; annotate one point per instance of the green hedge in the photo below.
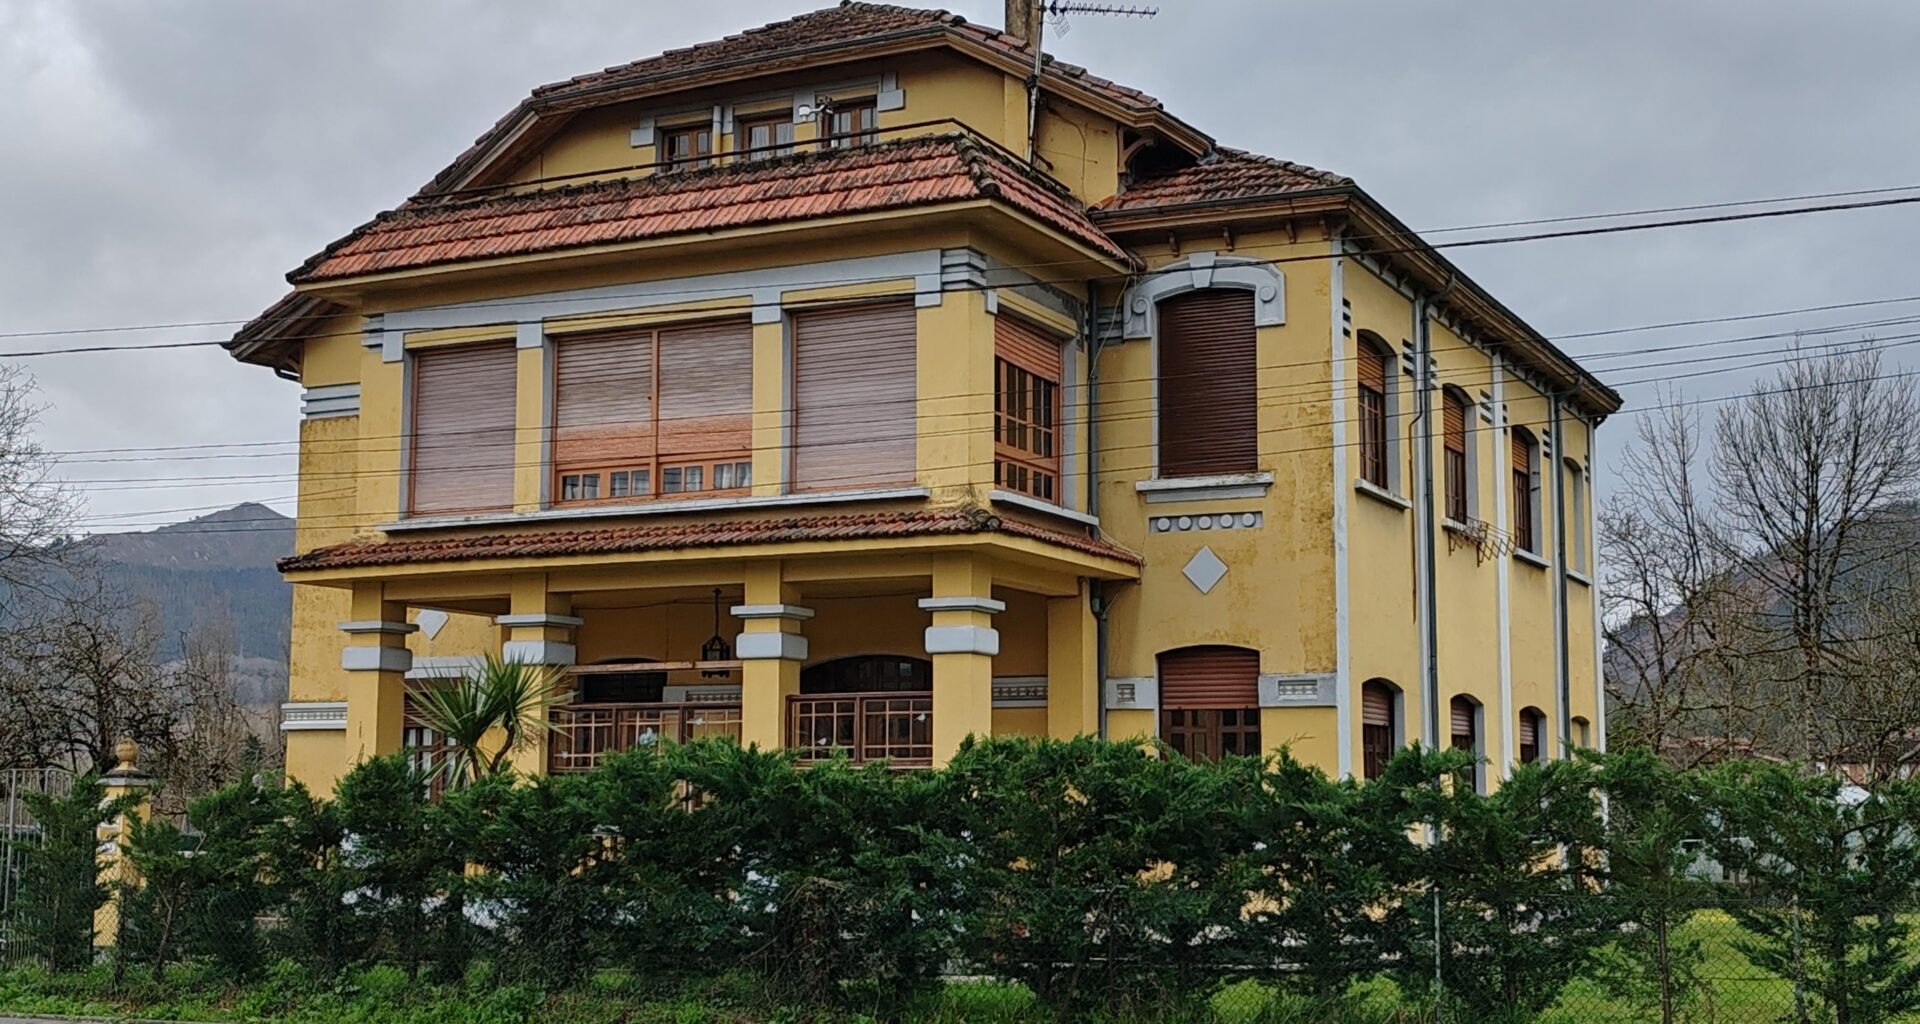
(1100, 880)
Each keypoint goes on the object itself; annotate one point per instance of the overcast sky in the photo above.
(171, 161)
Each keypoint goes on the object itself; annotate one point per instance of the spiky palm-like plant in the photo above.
(511, 696)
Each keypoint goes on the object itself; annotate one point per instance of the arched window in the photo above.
(1464, 713)
(1374, 410)
(868, 673)
(1582, 733)
(1209, 397)
(1532, 735)
(1576, 500)
(1526, 485)
(1457, 465)
(1210, 701)
(1379, 725)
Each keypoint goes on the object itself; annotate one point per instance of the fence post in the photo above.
(125, 780)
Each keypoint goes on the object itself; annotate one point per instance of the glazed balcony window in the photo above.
(1026, 408)
(687, 148)
(853, 123)
(766, 136)
(653, 413)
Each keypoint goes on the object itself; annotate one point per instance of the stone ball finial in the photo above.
(127, 752)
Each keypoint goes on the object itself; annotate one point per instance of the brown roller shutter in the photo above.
(1462, 716)
(1456, 422)
(603, 398)
(1529, 728)
(1034, 349)
(1372, 368)
(1522, 452)
(1210, 677)
(1376, 705)
(853, 395)
(463, 407)
(706, 390)
(1209, 394)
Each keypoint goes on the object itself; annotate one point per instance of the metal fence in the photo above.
(19, 830)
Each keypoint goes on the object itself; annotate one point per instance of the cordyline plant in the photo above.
(503, 695)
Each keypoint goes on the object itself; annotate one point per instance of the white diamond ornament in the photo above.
(430, 621)
(1204, 570)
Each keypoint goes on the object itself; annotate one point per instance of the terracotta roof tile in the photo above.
(677, 537)
(886, 176)
(1225, 174)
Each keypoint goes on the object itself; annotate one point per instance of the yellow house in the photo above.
(845, 385)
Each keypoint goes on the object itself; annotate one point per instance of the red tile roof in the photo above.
(636, 539)
(885, 176)
(1225, 174)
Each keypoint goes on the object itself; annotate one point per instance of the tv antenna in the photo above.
(1057, 12)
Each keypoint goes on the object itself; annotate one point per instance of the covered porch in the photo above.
(892, 652)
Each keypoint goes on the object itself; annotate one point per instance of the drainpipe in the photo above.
(1091, 325)
(1097, 597)
(1564, 689)
(1425, 541)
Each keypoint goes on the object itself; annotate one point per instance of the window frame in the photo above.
(1378, 743)
(1456, 457)
(1521, 751)
(856, 134)
(1019, 465)
(1575, 498)
(1525, 497)
(744, 125)
(693, 130)
(1379, 455)
(1179, 727)
(651, 463)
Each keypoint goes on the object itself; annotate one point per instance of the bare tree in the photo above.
(216, 741)
(1802, 465)
(36, 512)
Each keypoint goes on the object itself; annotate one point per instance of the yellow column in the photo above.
(771, 650)
(772, 402)
(954, 389)
(1073, 683)
(125, 780)
(376, 660)
(537, 629)
(962, 643)
(532, 416)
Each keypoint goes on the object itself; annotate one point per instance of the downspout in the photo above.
(1423, 519)
(1563, 691)
(1097, 596)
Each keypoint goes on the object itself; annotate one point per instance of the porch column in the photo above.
(376, 660)
(1073, 683)
(962, 643)
(771, 650)
(538, 629)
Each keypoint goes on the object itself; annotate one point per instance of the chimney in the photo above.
(1023, 18)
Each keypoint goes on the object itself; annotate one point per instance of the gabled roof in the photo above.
(1225, 175)
(620, 540)
(910, 172)
(850, 31)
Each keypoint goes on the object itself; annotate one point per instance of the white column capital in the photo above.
(770, 647)
(538, 652)
(963, 603)
(963, 640)
(366, 626)
(791, 612)
(375, 659)
(539, 619)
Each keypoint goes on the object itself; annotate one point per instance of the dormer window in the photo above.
(853, 123)
(765, 136)
(687, 147)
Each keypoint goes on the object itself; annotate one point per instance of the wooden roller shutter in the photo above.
(1209, 396)
(1376, 705)
(1522, 452)
(1034, 349)
(1456, 422)
(1462, 713)
(1210, 677)
(463, 407)
(1529, 728)
(1372, 369)
(603, 399)
(706, 390)
(853, 395)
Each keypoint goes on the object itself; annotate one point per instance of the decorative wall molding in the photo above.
(1206, 269)
(1311, 690)
(330, 401)
(313, 716)
(1209, 521)
(1020, 691)
(1233, 486)
(702, 693)
(1134, 693)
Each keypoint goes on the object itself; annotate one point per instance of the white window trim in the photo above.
(1372, 490)
(1230, 486)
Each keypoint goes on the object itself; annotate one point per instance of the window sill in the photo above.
(1228, 486)
(657, 508)
(1532, 559)
(1580, 578)
(1033, 504)
(1381, 495)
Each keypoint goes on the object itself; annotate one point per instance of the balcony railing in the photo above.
(589, 732)
(892, 727)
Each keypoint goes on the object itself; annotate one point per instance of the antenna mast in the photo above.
(1056, 11)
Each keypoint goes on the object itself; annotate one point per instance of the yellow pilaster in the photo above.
(771, 649)
(376, 661)
(771, 405)
(955, 388)
(962, 643)
(126, 780)
(1073, 676)
(531, 418)
(538, 629)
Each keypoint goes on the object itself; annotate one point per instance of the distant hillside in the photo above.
(223, 559)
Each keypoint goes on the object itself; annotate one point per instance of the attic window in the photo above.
(688, 147)
(1154, 159)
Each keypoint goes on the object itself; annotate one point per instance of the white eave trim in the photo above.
(658, 507)
(1048, 508)
(1234, 486)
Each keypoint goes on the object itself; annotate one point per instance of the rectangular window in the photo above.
(767, 136)
(1455, 467)
(1372, 390)
(1212, 733)
(853, 395)
(462, 431)
(1523, 504)
(1026, 408)
(1209, 401)
(687, 148)
(627, 401)
(853, 123)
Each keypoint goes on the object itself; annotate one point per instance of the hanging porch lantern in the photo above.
(716, 648)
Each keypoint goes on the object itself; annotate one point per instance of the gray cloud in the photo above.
(172, 161)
